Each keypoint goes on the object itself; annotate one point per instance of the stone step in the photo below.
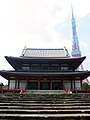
(45, 116)
(45, 104)
(44, 98)
(47, 98)
(39, 113)
(32, 97)
(45, 107)
(46, 91)
(44, 111)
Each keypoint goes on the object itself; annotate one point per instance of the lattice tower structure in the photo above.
(75, 44)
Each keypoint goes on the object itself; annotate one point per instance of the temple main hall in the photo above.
(45, 69)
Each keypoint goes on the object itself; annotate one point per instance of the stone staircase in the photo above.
(46, 91)
(45, 107)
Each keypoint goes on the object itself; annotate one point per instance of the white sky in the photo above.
(41, 24)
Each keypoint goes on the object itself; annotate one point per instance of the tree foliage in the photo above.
(5, 87)
(86, 86)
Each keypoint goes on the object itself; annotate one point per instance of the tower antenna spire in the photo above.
(72, 12)
(75, 45)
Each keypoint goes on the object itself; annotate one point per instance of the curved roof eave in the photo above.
(16, 62)
(8, 74)
(41, 58)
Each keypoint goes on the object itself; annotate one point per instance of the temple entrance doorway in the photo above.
(57, 85)
(45, 86)
(33, 85)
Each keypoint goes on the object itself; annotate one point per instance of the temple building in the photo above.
(45, 69)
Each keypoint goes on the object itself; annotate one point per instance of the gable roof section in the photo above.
(31, 52)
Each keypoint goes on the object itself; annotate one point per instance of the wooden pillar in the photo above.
(74, 85)
(38, 84)
(71, 84)
(51, 84)
(63, 84)
(15, 84)
(18, 84)
(26, 84)
(81, 83)
(8, 84)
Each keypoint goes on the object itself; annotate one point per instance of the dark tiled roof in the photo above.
(13, 74)
(18, 62)
(45, 52)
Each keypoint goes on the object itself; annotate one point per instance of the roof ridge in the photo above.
(44, 48)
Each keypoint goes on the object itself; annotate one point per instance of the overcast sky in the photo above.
(42, 24)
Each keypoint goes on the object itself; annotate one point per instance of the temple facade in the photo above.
(45, 69)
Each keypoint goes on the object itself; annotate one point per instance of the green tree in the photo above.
(5, 87)
(85, 86)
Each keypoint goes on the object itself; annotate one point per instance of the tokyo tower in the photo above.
(75, 44)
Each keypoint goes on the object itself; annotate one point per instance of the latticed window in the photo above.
(64, 67)
(25, 68)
